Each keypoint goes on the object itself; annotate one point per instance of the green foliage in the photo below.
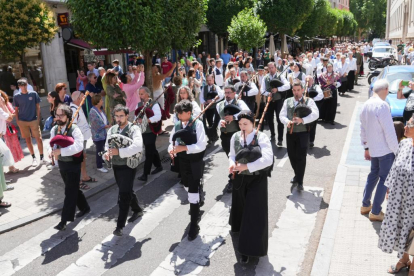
(247, 30)
(329, 26)
(220, 13)
(24, 24)
(284, 16)
(346, 27)
(316, 20)
(370, 15)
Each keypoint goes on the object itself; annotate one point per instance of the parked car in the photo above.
(395, 74)
(381, 44)
(383, 51)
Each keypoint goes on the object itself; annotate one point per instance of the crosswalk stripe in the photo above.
(287, 246)
(189, 257)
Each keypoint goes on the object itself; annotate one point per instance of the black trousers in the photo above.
(124, 177)
(330, 106)
(225, 141)
(312, 131)
(351, 80)
(212, 118)
(297, 148)
(275, 107)
(151, 152)
(191, 175)
(249, 213)
(70, 173)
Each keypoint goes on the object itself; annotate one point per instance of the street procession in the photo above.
(207, 137)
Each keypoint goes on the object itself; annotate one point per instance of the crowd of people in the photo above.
(235, 94)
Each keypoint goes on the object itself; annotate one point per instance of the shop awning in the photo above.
(79, 43)
(104, 52)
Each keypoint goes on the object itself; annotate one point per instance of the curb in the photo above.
(58, 207)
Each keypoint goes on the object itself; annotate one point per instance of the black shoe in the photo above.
(229, 188)
(61, 226)
(300, 187)
(244, 259)
(157, 170)
(143, 177)
(193, 233)
(135, 215)
(279, 143)
(117, 232)
(311, 145)
(293, 180)
(83, 212)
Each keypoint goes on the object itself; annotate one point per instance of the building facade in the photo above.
(400, 21)
(340, 4)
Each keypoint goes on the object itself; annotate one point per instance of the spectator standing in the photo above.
(225, 56)
(92, 69)
(93, 89)
(81, 81)
(61, 89)
(166, 66)
(27, 106)
(380, 143)
(131, 87)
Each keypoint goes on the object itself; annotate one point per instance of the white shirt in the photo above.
(265, 147)
(201, 139)
(196, 111)
(377, 128)
(352, 64)
(157, 113)
(309, 68)
(252, 92)
(320, 93)
(3, 117)
(81, 122)
(320, 70)
(306, 120)
(73, 149)
(95, 71)
(218, 90)
(295, 75)
(132, 149)
(366, 49)
(342, 68)
(240, 103)
(284, 87)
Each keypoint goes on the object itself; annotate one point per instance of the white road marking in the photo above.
(287, 246)
(190, 257)
(283, 161)
(25, 253)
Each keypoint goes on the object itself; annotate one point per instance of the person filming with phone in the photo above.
(409, 95)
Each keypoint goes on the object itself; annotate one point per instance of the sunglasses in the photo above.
(21, 84)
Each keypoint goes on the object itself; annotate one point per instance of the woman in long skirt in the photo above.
(329, 80)
(249, 211)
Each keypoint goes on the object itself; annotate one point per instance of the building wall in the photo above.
(340, 4)
(400, 20)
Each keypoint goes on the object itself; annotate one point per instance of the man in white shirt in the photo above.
(379, 140)
(81, 121)
(218, 73)
(297, 135)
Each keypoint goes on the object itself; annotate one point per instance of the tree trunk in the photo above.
(25, 69)
(148, 69)
(359, 34)
(283, 45)
(177, 60)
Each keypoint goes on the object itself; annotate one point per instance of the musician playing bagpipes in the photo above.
(251, 159)
(150, 125)
(124, 172)
(249, 90)
(314, 92)
(229, 109)
(278, 91)
(66, 141)
(211, 118)
(188, 144)
(297, 112)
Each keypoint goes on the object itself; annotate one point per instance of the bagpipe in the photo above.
(120, 141)
(188, 134)
(64, 141)
(301, 109)
(252, 152)
(312, 93)
(144, 112)
(276, 83)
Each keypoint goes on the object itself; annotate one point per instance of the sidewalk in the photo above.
(39, 192)
(348, 244)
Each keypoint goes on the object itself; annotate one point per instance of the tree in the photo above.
(346, 25)
(370, 16)
(140, 25)
(284, 16)
(311, 27)
(24, 24)
(220, 13)
(247, 30)
(330, 23)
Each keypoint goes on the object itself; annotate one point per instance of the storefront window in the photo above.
(12, 70)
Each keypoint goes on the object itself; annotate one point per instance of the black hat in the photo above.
(261, 67)
(246, 115)
(231, 109)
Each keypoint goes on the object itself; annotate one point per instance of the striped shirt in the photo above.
(377, 128)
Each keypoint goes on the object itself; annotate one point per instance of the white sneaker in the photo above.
(102, 170)
(34, 163)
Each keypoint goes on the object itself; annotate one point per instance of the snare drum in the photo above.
(327, 93)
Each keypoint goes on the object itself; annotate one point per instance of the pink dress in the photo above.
(12, 141)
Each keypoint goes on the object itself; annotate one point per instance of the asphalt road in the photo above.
(163, 234)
